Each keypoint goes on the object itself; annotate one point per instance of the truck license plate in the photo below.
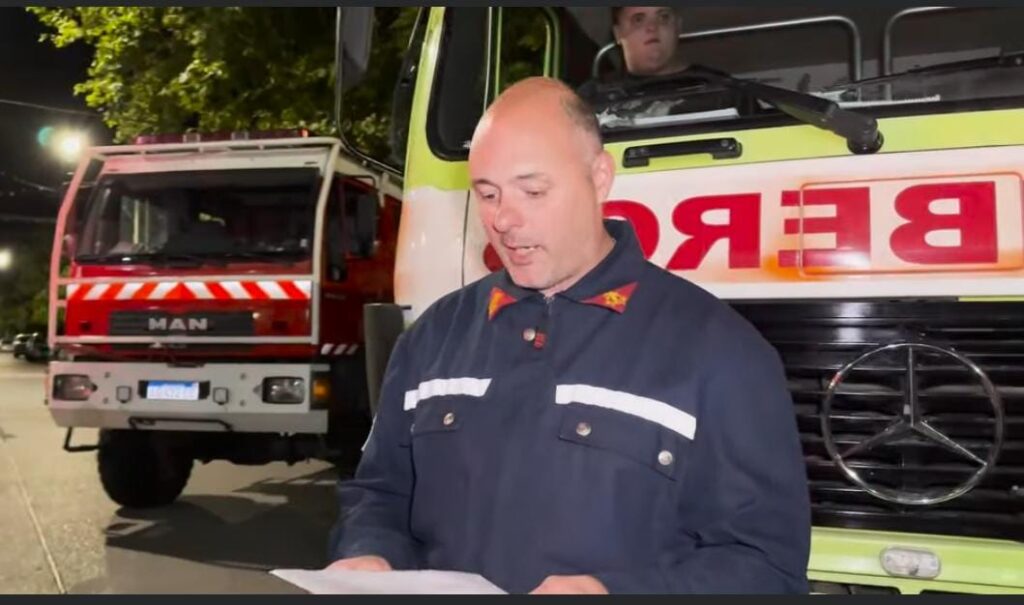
(173, 389)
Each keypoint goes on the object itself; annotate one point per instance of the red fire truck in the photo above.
(206, 302)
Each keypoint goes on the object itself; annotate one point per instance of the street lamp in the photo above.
(65, 143)
(6, 259)
(68, 145)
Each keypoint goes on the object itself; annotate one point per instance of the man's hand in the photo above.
(364, 563)
(570, 585)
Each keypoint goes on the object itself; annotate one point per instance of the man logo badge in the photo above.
(178, 324)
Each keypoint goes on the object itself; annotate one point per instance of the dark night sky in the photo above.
(34, 72)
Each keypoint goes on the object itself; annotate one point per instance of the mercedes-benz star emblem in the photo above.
(912, 421)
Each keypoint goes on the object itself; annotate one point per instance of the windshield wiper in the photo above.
(998, 61)
(178, 258)
(267, 255)
(148, 258)
(100, 258)
(860, 131)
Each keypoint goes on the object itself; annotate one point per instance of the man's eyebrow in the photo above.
(530, 176)
(478, 182)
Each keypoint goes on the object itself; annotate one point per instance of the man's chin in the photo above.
(525, 279)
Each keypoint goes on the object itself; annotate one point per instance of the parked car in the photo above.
(36, 348)
(18, 348)
(6, 345)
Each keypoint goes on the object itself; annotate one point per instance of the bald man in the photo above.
(581, 421)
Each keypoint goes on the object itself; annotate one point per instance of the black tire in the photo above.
(138, 471)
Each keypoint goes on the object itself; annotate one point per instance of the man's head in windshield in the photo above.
(540, 175)
(649, 36)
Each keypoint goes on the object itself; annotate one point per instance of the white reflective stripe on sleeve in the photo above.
(304, 286)
(352, 349)
(70, 291)
(369, 435)
(338, 350)
(653, 410)
(326, 349)
(474, 387)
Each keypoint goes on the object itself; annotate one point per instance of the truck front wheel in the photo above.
(138, 470)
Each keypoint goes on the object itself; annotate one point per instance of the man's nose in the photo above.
(507, 217)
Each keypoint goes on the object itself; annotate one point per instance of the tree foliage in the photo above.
(169, 69)
(23, 287)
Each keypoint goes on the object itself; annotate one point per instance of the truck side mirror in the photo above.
(337, 266)
(354, 35)
(365, 228)
(67, 248)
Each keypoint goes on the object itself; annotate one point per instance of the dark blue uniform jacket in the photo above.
(632, 427)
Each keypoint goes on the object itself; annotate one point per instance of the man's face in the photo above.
(649, 36)
(538, 201)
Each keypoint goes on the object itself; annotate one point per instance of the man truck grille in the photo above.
(158, 323)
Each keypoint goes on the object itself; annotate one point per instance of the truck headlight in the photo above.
(72, 387)
(282, 389)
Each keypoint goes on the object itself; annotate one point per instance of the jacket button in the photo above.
(583, 429)
(665, 458)
(529, 334)
(448, 419)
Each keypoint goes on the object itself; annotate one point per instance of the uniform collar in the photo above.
(609, 285)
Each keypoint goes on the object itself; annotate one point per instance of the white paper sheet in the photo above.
(337, 581)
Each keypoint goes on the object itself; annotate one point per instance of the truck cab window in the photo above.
(458, 99)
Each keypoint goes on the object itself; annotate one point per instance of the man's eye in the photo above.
(535, 193)
(487, 196)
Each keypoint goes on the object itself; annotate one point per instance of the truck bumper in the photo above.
(117, 401)
(856, 560)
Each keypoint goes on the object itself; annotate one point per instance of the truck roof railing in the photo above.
(856, 52)
(887, 66)
(118, 150)
(887, 59)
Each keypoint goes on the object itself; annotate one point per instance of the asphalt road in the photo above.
(60, 532)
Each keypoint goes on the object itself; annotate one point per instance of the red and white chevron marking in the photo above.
(331, 349)
(192, 290)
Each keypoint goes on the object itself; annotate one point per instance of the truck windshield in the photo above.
(199, 217)
(818, 53)
(975, 66)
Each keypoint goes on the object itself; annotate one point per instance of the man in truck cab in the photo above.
(649, 39)
(581, 421)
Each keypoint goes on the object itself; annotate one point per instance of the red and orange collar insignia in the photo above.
(615, 300)
(498, 301)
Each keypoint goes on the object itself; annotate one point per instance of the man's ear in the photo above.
(602, 173)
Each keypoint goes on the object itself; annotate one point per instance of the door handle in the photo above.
(719, 149)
